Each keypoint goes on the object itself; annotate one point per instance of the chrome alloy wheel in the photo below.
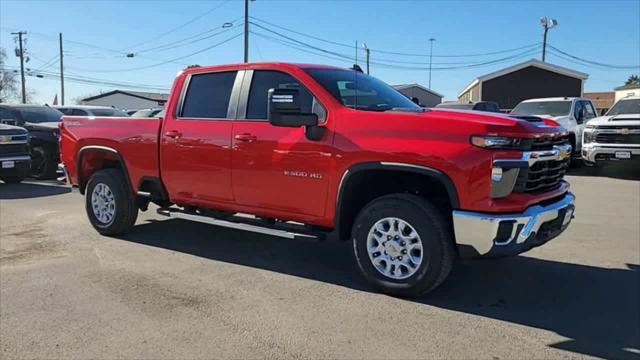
(394, 248)
(103, 203)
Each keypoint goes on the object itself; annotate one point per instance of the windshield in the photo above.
(146, 113)
(631, 106)
(39, 114)
(360, 91)
(455, 106)
(108, 112)
(552, 108)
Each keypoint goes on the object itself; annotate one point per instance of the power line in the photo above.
(184, 42)
(392, 52)
(294, 43)
(620, 67)
(165, 61)
(180, 26)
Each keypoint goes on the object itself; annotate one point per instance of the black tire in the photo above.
(12, 179)
(126, 211)
(434, 233)
(43, 163)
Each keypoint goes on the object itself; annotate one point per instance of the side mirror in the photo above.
(284, 109)
(415, 100)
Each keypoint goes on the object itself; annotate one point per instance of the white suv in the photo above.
(614, 136)
(570, 113)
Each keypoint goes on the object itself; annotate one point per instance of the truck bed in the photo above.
(137, 138)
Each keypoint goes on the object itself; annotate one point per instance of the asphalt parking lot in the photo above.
(175, 289)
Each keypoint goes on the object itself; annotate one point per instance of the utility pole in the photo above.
(366, 54)
(61, 73)
(431, 40)
(246, 31)
(24, 91)
(546, 24)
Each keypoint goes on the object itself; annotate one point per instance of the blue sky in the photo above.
(603, 31)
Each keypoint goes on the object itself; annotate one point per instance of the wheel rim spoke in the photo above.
(103, 203)
(394, 248)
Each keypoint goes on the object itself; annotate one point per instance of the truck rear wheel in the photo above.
(403, 245)
(110, 203)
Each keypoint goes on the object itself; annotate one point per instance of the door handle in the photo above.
(246, 137)
(174, 134)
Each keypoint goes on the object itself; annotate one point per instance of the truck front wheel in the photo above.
(110, 203)
(403, 245)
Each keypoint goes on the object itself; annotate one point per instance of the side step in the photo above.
(280, 229)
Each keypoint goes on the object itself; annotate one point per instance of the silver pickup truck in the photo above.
(614, 136)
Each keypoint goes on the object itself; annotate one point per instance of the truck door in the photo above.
(277, 167)
(196, 141)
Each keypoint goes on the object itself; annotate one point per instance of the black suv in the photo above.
(42, 124)
(488, 106)
(15, 158)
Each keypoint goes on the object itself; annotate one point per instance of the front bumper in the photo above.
(21, 166)
(596, 152)
(482, 234)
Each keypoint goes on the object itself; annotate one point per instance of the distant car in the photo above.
(88, 110)
(614, 136)
(570, 113)
(488, 106)
(146, 113)
(15, 158)
(42, 124)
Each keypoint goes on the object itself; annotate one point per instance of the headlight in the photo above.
(588, 135)
(495, 142)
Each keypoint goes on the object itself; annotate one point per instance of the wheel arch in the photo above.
(374, 176)
(92, 158)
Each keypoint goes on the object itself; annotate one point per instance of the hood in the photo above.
(44, 126)
(616, 120)
(11, 130)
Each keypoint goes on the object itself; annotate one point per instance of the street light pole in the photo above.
(24, 89)
(61, 72)
(431, 40)
(246, 31)
(546, 24)
(367, 51)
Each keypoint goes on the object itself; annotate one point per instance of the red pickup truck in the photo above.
(300, 151)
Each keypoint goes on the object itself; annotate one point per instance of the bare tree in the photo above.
(8, 81)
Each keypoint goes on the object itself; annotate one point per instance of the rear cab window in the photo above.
(208, 95)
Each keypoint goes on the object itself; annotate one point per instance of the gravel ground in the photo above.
(175, 289)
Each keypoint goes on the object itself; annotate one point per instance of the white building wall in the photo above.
(122, 101)
(628, 92)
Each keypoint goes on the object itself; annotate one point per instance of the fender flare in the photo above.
(395, 166)
(82, 183)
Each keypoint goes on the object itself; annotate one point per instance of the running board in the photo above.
(241, 225)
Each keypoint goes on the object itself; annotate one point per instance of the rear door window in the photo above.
(208, 95)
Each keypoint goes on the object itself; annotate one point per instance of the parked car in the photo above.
(130, 112)
(570, 113)
(614, 136)
(42, 124)
(152, 112)
(15, 158)
(314, 151)
(90, 110)
(489, 106)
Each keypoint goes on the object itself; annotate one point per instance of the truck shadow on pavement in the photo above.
(597, 309)
(30, 190)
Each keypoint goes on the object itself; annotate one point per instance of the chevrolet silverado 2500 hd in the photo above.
(318, 151)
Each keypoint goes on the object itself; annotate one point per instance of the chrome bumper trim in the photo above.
(16, 158)
(591, 150)
(480, 230)
(65, 177)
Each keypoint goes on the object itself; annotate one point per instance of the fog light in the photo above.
(496, 174)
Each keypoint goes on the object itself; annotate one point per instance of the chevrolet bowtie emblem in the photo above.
(563, 154)
(5, 139)
(624, 131)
